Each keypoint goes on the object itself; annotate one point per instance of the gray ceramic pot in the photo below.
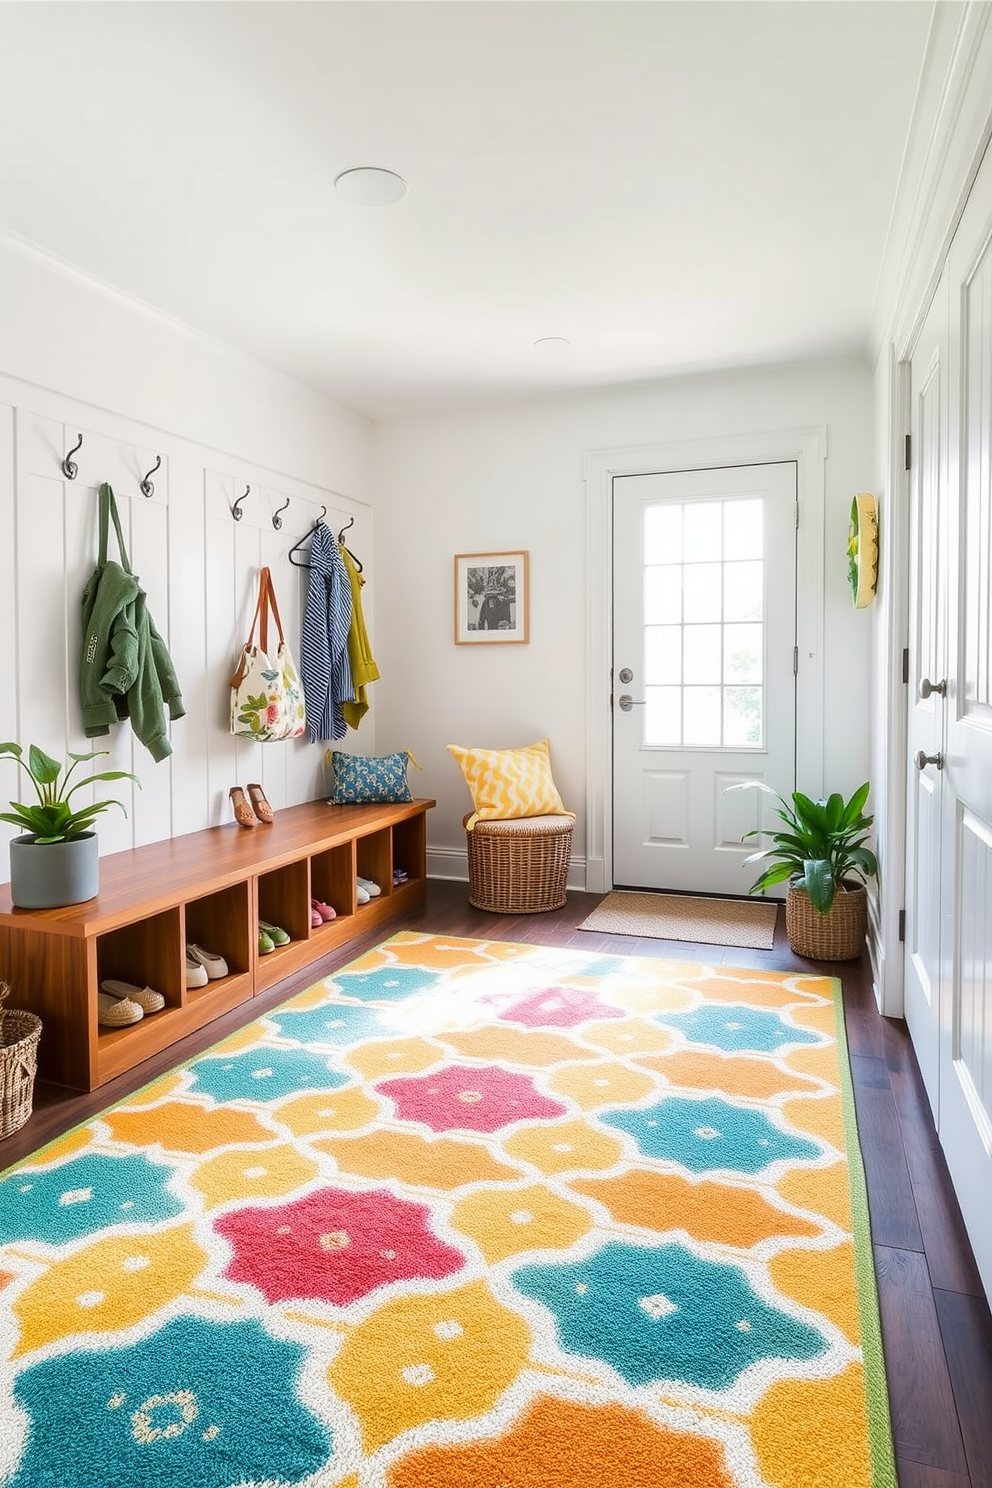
(51, 874)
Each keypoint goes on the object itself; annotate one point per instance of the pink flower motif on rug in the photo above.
(335, 1246)
(556, 1007)
(460, 1098)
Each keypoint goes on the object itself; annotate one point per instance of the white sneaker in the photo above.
(361, 895)
(215, 966)
(371, 888)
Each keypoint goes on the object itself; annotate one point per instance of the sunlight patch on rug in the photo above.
(467, 1214)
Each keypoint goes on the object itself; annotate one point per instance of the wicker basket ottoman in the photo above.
(519, 867)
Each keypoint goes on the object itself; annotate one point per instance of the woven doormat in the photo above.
(731, 922)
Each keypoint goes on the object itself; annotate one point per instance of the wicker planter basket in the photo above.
(837, 936)
(519, 867)
(19, 1035)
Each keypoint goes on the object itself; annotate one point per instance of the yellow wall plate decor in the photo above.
(862, 549)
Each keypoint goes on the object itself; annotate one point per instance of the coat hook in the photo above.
(323, 514)
(147, 489)
(236, 508)
(69, 467)
(276, 518)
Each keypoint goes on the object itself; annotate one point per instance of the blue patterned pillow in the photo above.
(361, 778)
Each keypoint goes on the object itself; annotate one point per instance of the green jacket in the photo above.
(125, 670)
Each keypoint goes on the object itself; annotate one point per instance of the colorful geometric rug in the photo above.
(464, 1215)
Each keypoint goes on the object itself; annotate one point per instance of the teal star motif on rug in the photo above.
(735, 1028)
(78, 1198)
(386, 983)
(339, 1024)
(263, 1073)
(198, 1402)
(665, 1314)
(703, 1135)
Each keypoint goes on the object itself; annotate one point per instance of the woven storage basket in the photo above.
(19, 1035)
(519, 867)
(837, 936)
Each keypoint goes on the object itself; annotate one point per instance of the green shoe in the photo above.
(265, 943)
(275, 933)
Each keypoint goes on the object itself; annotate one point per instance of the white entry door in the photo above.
(704, 635)
(949, 836)
(965, 1107)
(929, 556)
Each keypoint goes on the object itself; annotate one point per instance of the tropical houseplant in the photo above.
(822, 854)
(56, 860)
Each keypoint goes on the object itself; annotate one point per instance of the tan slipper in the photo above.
(146, 998)
(260, 805)
(243, 814)
(117, 1012)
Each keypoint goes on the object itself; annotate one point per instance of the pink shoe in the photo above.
(325, 911)
(315, 920)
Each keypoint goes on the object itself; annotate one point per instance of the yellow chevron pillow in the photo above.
(509, 783)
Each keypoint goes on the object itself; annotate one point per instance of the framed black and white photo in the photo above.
(491, 601)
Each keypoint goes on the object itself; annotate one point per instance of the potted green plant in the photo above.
(56, 860)
(822, 855)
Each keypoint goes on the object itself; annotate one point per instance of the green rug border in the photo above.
(876, 1389)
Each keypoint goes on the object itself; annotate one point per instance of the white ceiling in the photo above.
(671, 186)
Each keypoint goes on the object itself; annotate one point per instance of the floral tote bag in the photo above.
(266, 695)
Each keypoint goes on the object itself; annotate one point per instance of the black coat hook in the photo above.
(276, 518)
(350, 523)
(147, 489)
(236, 508)
(323, 514)
(69, 467)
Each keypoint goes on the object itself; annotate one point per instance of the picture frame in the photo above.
(492, 601)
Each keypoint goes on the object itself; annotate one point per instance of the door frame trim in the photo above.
(807, 447)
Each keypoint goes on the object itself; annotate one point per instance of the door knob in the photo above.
(626, 702)
(922, 760)
(927, 687)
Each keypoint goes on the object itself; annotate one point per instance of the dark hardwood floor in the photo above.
(936, 1326)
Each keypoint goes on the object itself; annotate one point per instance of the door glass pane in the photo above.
(702, 653)
(702, 599)
(703, 530)
(663, 715)
(663, 533)
(662, 654)
(743, 528)
(742, 717)
(701, 715)
(742, 653)
(742, 591)
(663, 594)
(704, 639)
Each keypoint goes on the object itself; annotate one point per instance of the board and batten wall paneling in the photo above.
(199, 568)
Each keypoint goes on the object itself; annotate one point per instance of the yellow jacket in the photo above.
(363, 667)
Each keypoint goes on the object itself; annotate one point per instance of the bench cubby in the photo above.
(212, 888)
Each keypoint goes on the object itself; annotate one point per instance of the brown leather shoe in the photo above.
(243, 814)
(263, 810)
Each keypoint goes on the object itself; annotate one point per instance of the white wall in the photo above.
(511, 478)
(77, 358)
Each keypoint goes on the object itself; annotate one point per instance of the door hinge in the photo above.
(795, 661)
(902, 924)
(909, 451)
(905, 665)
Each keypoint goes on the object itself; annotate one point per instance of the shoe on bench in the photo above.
(215, 966)
(146, 998)
(117, 1012)
(276, 933)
